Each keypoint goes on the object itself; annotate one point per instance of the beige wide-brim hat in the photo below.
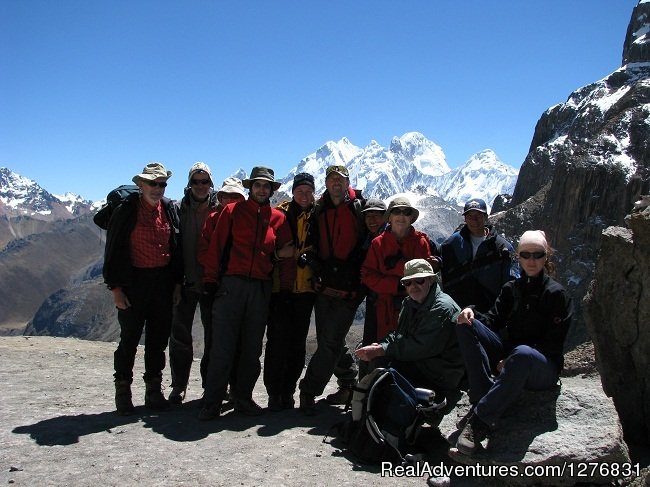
(232, 185)
(200, 167)
(264, 174)
(402, 202)
(151, 171)
(417, 268)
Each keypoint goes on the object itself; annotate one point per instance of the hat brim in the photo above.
(231, 190)
(475, 209)
(339, 173)
(150, 177)
(417, 276)
(246, 183)
(414, 215)
(374, 208)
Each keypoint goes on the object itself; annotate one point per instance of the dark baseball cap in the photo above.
(475, 204)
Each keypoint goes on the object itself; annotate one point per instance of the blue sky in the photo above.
(91, 91)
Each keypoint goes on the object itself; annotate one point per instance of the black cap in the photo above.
(303, 178)
(475, 204)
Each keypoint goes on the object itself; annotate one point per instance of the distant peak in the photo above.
(636, 48)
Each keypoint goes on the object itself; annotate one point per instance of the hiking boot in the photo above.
(247, 407)
(460, 424)
(275, 402)
(210, 412)
(287, 401)
(307, 404)
(153, 396)
(177, 395)
(475, 431)
(123, 402)
(341, 397)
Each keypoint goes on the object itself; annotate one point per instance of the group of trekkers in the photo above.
(470, 313)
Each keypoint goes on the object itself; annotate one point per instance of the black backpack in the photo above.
(386, 418)
(113, 200)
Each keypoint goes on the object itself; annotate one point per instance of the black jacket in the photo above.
(118, 270)
(532, 311)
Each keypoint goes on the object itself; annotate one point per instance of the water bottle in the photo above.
(424, 395)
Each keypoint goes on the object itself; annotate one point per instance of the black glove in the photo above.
(210, 290)
(310, 259)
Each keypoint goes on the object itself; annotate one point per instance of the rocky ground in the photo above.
(58, 427)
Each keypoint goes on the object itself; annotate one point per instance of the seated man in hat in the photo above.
(424, 348)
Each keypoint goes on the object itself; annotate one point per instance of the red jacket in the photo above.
(338, 225)
(383, 277)
(254, 232)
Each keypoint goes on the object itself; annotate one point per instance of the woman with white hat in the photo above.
(383, 267)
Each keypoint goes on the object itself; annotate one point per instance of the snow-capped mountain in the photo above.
(21, 196)
(411, 164)
(332, 153)
(482, 175)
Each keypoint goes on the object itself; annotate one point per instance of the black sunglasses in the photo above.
(153, 184)
(199, 181)
(419, 282)
(404, 211)
(532, 255)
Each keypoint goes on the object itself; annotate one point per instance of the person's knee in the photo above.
(522, 356)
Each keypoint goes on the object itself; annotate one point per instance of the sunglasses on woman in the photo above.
(419, 282)
(532, 255)
(153, 184)
(402, 211)
(196, 182)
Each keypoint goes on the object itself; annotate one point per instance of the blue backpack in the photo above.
(386, 418)
(113, 200)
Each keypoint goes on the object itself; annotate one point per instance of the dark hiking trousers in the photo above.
(334, 317)
(181, 350)
(524, 368)
(286, 336)
(151, 298)
(369, 332)
(239, 316)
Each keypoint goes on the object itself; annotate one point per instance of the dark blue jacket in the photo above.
(476, 281)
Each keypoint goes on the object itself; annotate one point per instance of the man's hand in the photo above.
(370, 352)
(120, 299)
(465, 317)
(286, 251)
(178, 294)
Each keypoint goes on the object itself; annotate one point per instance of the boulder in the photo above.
(617, 315)
(566, 427)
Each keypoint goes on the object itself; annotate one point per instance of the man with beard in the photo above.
(338, 284)
(238, 267)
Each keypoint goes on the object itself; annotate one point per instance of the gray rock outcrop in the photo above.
(617, 314)
(589, 160)
(563, 428)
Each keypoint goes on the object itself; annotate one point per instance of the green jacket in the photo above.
(425, 334)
